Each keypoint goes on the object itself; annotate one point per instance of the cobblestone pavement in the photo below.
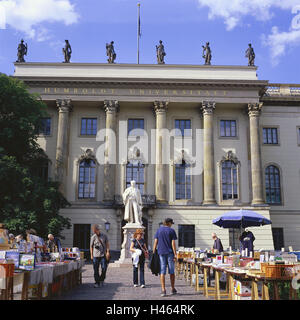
(118, 286)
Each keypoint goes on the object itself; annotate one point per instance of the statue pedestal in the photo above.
(125, 258)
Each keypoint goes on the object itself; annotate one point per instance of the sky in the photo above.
(272, 26)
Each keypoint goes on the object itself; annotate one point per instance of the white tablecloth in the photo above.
(44, 273)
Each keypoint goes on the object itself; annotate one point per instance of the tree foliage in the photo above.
(26, 199)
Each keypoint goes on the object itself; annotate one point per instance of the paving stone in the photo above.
(119, 286)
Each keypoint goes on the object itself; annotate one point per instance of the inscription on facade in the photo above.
(133, 92)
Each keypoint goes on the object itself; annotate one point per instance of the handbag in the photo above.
(107, 254)
(146, 253)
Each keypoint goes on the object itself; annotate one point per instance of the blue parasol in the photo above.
(241, 219)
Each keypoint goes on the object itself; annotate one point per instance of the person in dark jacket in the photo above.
(217, 243)
(247, 238)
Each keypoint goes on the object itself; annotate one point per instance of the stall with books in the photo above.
(22, 276)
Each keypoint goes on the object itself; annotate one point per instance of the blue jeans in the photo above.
(142, 274)
(96, 264)
(167, 259)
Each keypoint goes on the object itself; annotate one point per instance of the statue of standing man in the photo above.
(160, 53)
(22, 51)
(67, 51)
(207, 54)
(110, 52)
(133, 204)
(250, 55)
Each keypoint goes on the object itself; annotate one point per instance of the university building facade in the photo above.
(244, 133)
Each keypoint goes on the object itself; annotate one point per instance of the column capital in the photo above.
(111, 106)
(208, 107)
(254, 109)
(160, 106)
(64, 105)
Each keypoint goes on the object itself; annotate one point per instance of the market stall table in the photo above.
(255, 278)
(48, 279)
(206, 276)
(231, 273)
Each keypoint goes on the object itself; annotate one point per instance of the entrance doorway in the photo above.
(81, 238)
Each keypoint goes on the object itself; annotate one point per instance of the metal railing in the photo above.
(147, 200)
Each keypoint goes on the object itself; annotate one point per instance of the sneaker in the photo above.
(143, 286)
(101, 283)
(135, 285)
(174, 291)
(96, 285)
(163, 293)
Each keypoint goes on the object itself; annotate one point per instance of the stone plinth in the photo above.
(125, 258)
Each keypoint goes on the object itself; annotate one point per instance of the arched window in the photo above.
(272, 181)
(87, 179)
(229, 180)
(183, 181)
(135, 171)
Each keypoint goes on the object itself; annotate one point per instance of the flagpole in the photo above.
(138, 35)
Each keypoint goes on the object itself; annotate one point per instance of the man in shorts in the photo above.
(164, 242)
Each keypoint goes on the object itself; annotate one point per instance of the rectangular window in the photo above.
(137, 125)
(45, 127)
(88, 126)
(228, 128)
(183, 182)
(184, 126)
(270, 136)
(278, 238)
(186, 235)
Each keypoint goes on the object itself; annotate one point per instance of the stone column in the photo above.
(64, 108)
(111, 109)
(160, 108)
(208, 157)
(254, 110)
(150, 228)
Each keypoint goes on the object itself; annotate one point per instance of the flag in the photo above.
(139, 23)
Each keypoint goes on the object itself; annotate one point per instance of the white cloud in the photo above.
(280, 41)
(232, 11)
(27, 15)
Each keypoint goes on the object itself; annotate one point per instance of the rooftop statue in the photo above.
(110, 52)
(207, 54)
(250, 55)
(22, 51)
(160, 53)
(67, 51)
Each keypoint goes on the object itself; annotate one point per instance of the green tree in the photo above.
(27, 200)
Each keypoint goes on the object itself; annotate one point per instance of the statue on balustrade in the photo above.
(207, 54)
(110, 52)
(250, 55)
(133, 204)
(160, 53)
(22, 51)
(67, 51)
